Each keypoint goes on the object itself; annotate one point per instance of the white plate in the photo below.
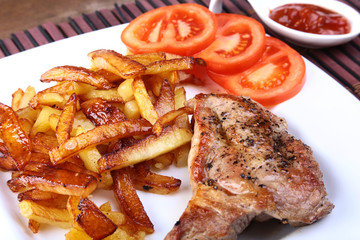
(324, 115)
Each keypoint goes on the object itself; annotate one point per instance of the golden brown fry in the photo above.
(7, 163)
(93, 221)
(62, 89)
(101, 112)
(77, 234)
(148, 181)
(16, 99)
(43, 142)
(146, 149)
(47, 199)
(33, 226)
(15, 138)
(77, 74)
(184, 63)
(72, 208)
(169, 118)
(50, 179)
(21, 99)
(48, 215)
(66, 120)
(98, 135)
(42, 123)
(146, 108)
(116, 63)
(166, 100)
(110, 95)
(147, 58)
(129, 201)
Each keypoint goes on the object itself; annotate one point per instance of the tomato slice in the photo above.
(276, 77)
(183, 29)
(239, 43)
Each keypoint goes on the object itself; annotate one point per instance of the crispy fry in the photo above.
(147, 109)
(7, 163)
(54, 180)
(170, 117)
(166, 100)
(93, 221)
(145, 149)
(147, 58)
(101, 112)
(62, 89)
(110, 95)
(66, 119)
(116, 63)
(148, 181)
(125, 90)
(48, 215)
(33, 226)
(77, 74)
(47, 199)
(98, 135)
(129, 201)
(184, 63)
(43, 143)
(15, 138)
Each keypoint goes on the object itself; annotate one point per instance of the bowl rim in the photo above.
(347, 11)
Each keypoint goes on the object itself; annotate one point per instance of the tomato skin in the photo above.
(183, 29)
(279, 58)
(239, 43)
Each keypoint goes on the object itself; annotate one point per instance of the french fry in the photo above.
(125, 90)
(77, 74)
(148, 181)
(50, 179)
(7, 163)
(145, 149)
(66, 120)
(116, 63)
(166, 100)
(147, 58)
(47, 199)
(146, 108)
(34, 225)
(131, 110)
(15, 138)
(47, 215)
(101, 112)
(93, 221)
(129, 201)
(98, 135)
(16, 99)
(110, 95)
(62, 89)
(77, 234)
(170, 117)
(42, 123)
(184, 63)
(43, 143)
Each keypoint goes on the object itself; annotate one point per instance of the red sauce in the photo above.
(310, 18)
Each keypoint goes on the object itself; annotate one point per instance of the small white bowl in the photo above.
(263, 7)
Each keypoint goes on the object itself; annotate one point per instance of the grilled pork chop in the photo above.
(243, 164)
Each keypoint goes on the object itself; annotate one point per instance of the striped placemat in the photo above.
(341, 62)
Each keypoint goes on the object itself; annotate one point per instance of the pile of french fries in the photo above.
(107, 126)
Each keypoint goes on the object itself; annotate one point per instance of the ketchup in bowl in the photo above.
(311, 19)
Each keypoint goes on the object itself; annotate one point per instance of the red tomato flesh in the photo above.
(183, 29)
(239, 43)
(276, 77)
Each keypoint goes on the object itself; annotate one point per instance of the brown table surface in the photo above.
(341, 62)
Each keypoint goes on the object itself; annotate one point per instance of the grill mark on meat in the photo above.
(243, 163)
